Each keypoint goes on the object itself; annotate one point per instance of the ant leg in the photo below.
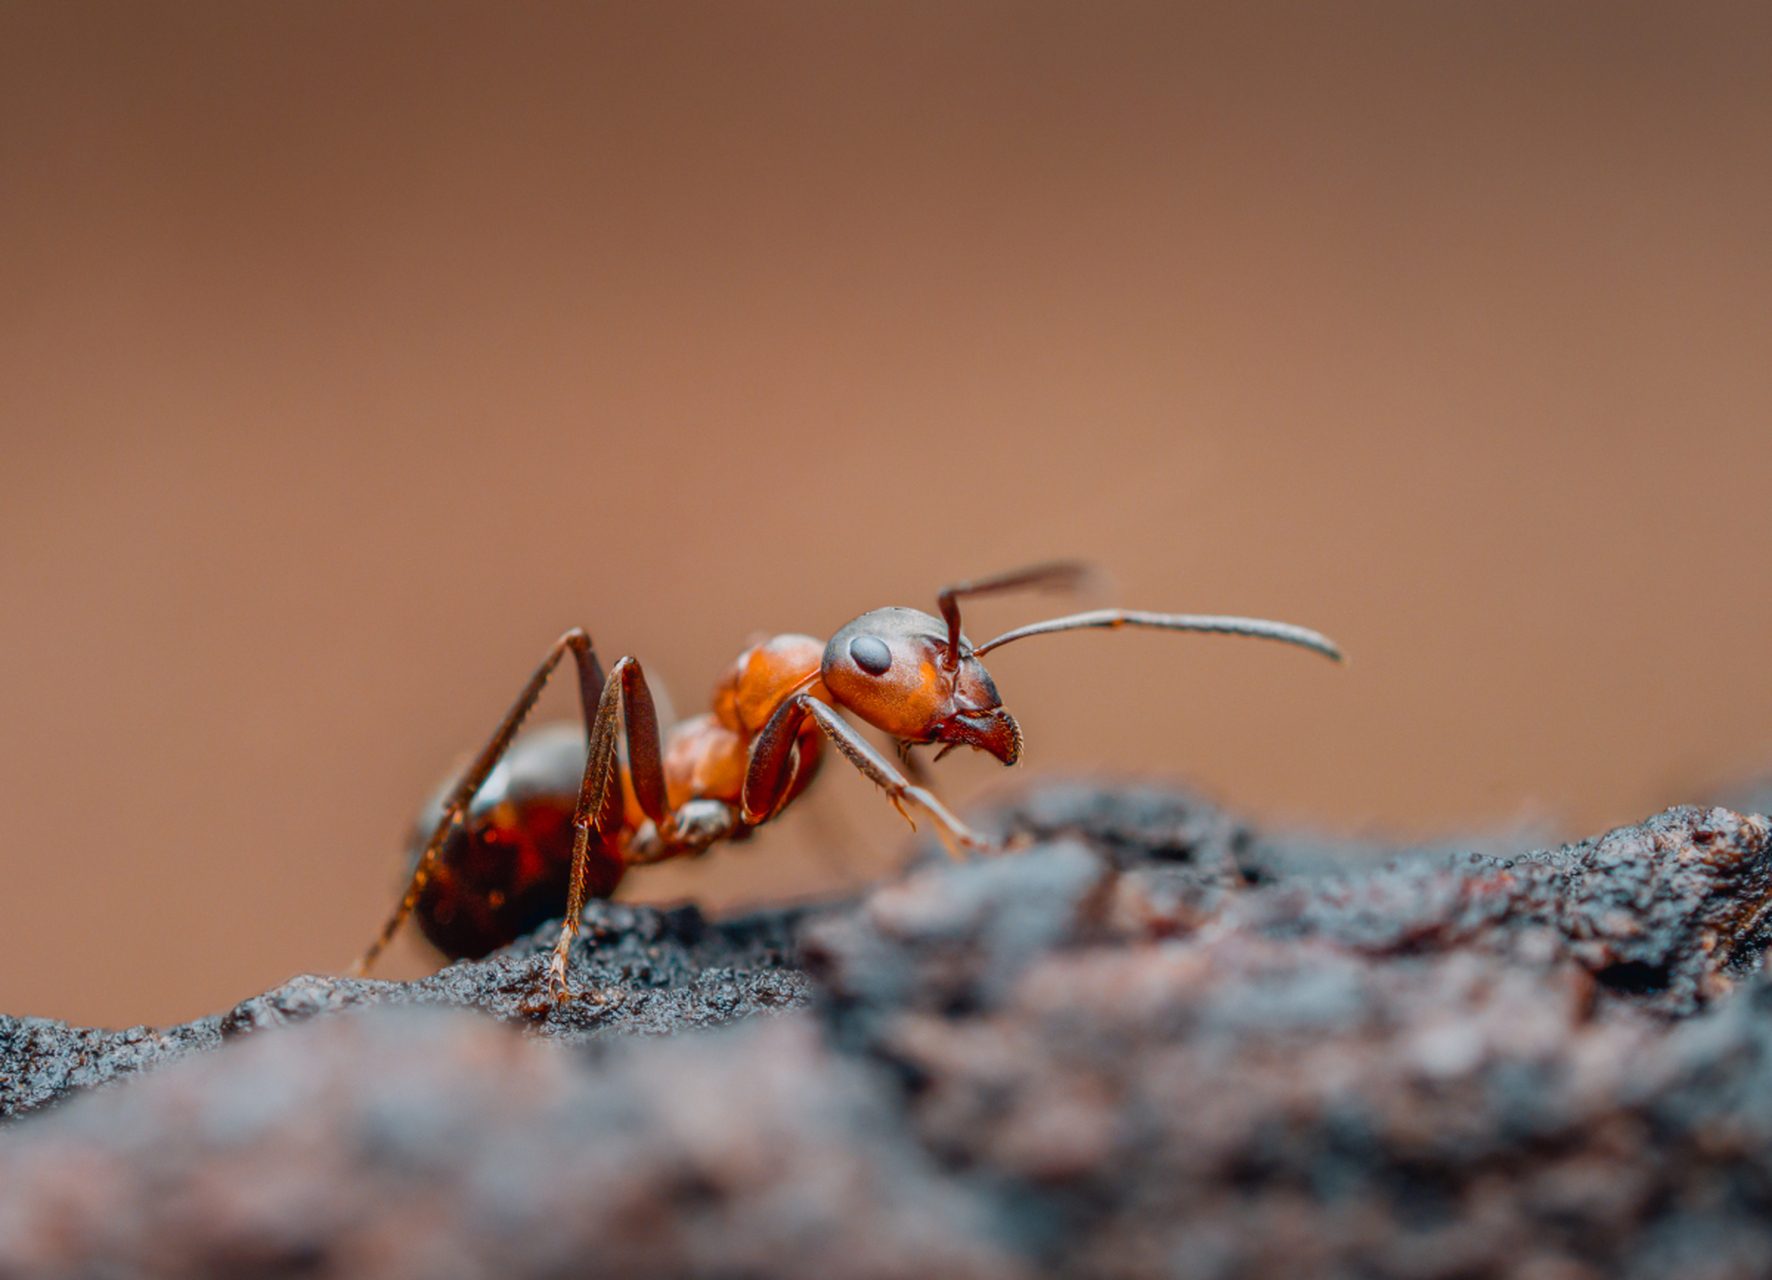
(590, 676)
(625, 697)
(768, 778)
(1055, 575)
(694, 826)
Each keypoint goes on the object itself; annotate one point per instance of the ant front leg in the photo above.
(769, 777)
(455, 808)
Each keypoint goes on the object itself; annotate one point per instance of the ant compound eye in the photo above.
(871, 654)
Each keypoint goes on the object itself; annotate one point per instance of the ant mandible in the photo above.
(720, 775)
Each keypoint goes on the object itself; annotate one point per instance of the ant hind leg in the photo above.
(455, 808)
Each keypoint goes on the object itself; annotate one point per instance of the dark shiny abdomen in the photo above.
(503, 872)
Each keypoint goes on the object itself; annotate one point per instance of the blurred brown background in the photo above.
(351, 352)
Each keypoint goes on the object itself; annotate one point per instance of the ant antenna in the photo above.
(1284, 632)
(1055, 575)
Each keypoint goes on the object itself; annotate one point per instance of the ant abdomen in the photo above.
(503, 871)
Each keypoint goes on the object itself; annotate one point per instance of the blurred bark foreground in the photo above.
(1150, 1042)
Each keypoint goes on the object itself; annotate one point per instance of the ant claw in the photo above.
(558, 993)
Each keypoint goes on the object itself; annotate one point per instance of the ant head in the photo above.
(894, 668)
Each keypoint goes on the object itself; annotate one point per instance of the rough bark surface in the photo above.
(1150, 1041)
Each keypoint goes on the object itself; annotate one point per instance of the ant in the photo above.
(720, 775)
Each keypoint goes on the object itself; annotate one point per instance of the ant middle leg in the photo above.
(624, 700)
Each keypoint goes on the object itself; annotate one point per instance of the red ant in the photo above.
(720, 775)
